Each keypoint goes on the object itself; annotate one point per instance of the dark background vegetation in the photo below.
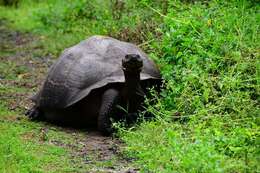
(207, 116)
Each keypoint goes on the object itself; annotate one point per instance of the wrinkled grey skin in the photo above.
(90, 79)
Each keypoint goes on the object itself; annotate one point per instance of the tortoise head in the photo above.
(132, 63)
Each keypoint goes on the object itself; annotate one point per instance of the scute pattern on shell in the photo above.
(91, 64)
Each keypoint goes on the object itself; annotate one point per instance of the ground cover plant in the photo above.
(207, 115)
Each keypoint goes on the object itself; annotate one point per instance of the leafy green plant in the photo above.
(209, 110)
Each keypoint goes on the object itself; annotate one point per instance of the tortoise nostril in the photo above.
(133, 57)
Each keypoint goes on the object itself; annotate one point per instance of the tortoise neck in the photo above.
(132, 80)
(134, 92)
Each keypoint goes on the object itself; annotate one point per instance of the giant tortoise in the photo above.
(93, 81)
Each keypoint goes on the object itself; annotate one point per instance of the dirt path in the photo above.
(23, 65)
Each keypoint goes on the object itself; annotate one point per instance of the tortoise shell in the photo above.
(91, 64)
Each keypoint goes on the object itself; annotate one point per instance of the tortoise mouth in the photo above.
(132, 62)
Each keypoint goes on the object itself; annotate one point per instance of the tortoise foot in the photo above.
(34, 114)
(106, 131)
(131, 118)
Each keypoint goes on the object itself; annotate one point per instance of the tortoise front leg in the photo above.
(109, 101)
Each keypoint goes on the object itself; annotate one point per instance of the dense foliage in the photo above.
(207, 116)
(210, 108)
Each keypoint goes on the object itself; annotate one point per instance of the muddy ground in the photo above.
(24, 65)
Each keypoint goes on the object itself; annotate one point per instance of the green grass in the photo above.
(207, 116)
(64, 23)
(21, 151)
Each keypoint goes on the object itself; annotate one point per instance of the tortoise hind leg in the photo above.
(109, 101)
(34, 113)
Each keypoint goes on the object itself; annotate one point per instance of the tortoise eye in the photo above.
(128, 56)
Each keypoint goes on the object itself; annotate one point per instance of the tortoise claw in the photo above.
(33, 113)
